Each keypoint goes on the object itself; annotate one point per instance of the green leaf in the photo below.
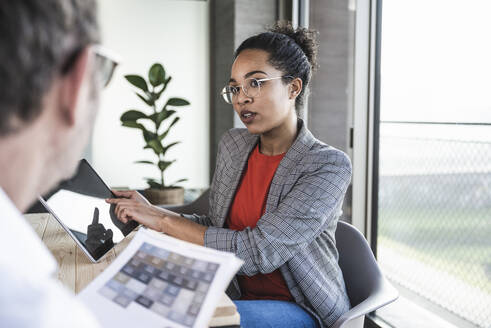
(133, 124)
(166, 148)
(137, 81)
(170, 113)
(160, 117)
(163, 135)
(166, 82)
(176, 119)
(163, 115)
(154, 117)
(147, 135)
(165, 164)
(156, 74)
(155, 145)
(132, 115)
(149, 102)
(177, 102)
(176, 182)
(144, 162)
(153, 96)
(154, 184)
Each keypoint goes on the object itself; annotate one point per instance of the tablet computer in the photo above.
(78, 204)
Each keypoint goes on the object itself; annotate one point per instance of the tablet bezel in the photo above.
(70, 233)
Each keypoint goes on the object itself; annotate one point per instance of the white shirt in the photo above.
(30, 296)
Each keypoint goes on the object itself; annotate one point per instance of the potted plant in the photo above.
(159, 192)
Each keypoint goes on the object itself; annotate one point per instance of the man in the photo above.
(51, 73)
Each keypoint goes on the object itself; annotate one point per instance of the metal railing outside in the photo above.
(434, 221)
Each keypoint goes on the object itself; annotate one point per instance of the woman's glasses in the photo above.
(251, 88)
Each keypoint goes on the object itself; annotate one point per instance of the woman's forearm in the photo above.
(176, 226)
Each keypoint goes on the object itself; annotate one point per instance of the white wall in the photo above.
(174, 33)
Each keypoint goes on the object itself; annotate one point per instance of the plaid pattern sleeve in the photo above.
(296, 234)
(201, 219)
(301, 216)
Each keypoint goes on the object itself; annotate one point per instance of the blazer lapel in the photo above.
(239, 164)
(295, 153)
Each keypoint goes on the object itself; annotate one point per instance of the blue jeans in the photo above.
(272, 314)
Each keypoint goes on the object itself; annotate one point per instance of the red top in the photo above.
(248, 206)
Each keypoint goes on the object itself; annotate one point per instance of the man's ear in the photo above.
(295, 88)
(71, 86)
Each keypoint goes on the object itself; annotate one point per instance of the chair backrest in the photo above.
(356, 260)
(198, 206)
(367, 288)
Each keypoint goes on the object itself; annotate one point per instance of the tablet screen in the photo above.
(79, 204)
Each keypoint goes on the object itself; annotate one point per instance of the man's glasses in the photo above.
(106, 62)
(251, 88)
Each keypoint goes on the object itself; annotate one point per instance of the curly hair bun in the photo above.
(291, 51)
(305, 38)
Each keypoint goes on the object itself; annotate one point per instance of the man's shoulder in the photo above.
(25, 248)
(29, 301)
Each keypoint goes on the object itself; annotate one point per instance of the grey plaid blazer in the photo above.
(296, 232)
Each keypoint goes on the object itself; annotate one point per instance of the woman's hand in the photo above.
(131, 194)
(134, 206)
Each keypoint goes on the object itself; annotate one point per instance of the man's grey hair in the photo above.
(38, 38)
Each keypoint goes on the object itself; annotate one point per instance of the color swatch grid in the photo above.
(166, 283)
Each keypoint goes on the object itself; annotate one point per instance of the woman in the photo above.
(276, 193)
